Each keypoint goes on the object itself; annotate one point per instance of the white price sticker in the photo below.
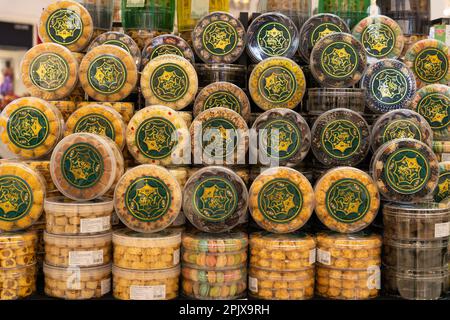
(85, 258)
(312, 256)
(95, 225)
(445, 157)
(442, 230)
(176, 257)
(253, 284)
(323, 257)
(148, 292)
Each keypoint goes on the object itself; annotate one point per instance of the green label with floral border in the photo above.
(435, 108)
(64, 26)
(224, 99)
(166, 49)
(220, 38)
(169, 82)
(107, 74)
(274, 39)
(339, 60)
(96, 124)
(341, 139)
(400, 129)
(280, 139)
(431, 65)
(28, 127)
(378, 39)
(389, 86)
(277, 84)
(156, 138)
(220, 137)
(119, 44)
(443, 189)
(49, 72)
(322, 31)
(16, 198)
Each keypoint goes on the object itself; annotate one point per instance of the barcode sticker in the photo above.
(135, 3)
(148, 292)
(95, 225)
(199, 8)
(176, 257)
(253, 284)
(85, 258)
(324, 257)
(105, 286)
(442, 230)
(312, 256)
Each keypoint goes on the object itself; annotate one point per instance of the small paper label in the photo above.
(373, 278)
(324, 257)
(176, 257)
(312, 256)
(199, 8)
(85, 258)
(135, 3)
(105, 286)
(95, 225)
(73, 281)
(442, 230)
(445, 157)
(253, 284)
(148, 292)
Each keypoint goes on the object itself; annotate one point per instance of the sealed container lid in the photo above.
(215, 199)
(340, 137)
(29, 128)
(22, 196)
(347, 199)
(83, 166)
(214, 243)
(284, 242)
(317, 27)
(272, 35)
(22, 238)
(148, 198)
(219, 37)
(98, 119)
(157, 135)
(389, 84)
(225, 95)
(108, 73)
(281, 200)
(429, 60)
(338, 60)
(433, 103)
(49, 71)
(273, 275)
(404, 274)
(167, 44)
(68, 207)
(277, 82)
(324, 99)
(381, 37)
(161, 239)
(169, 80)
(67, 23)
(84, 274)
(284, 137)
(354, 241)
(222, 68)
(202, 275)
(436, 244)
(420, 209)
(402, 123)
(142, 275)
(442, 191)
(74, 241)
(121, 40)
(219, 134)
(405, 170)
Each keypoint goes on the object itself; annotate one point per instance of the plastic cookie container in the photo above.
(17, 249)
(211, 73)
(321, 100)
(17, 283)
(167, 44)
(43, 167)
(74, 283)
(151, 251)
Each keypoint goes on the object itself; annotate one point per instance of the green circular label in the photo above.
(156, 138)
(431, 65)
(341, 139)
(166, 49)
(280, 200)
(28, 127)
(16, 198)
(400, 129)
(435, 108)
(107, 74)
(389, 86)
(407, 171)
(64, 26)
(215, 199)
(322, 31)
(274, 39)
(224, 99)
(378, 40)
(119, 44)
(220, 38)
(443, 189)
(49, 72)
(148, 199)
(277, 84)
(348, 200)
(82, 165)
(339, 60)
(97, 124)
(280, 139)
(219, 137)
(169, 82)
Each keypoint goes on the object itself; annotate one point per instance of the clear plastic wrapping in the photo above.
(17, 283)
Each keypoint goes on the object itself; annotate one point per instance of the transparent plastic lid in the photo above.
(420, 209)
(356, 241)
(18, 238)
(85, 273)
(417, 274)
(17, 273)
(143, 275)
(204, 67)
(215, 243)
(75, 240)
(49, 71)
(167, 44)
(70, 207)
(292, 241)
(83, 166)
(272, 275)
(205, 275)
(161, 239)
(436, 244)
